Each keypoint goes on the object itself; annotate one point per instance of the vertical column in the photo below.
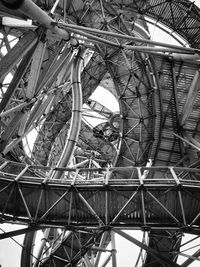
(113, 248)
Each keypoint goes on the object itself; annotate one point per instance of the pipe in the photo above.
(75, 119)
(54, 6)
(148, 249)
(187, 142)
(92, 32)
(114, 251)
(31, 10)
(41, 246)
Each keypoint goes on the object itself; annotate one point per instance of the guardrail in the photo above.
(101, 176)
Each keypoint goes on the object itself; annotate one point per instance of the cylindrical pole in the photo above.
(33, 11)
(76, 117)
(114, 251)
(91, 32)
(41, 246)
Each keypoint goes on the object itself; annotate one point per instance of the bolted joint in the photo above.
(145, 228)
(54, 23)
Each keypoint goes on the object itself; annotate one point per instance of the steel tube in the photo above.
(186, 141)
(102, 243)
(18, 232)
(41, 247)
(113, 248)
(76, 116)
(147, 49)
(123, 36)
(106, 261)
(191, 258)
(54, 6)
(123, 208)
(33, 11)
(153, 252)
(91, 210)
(17, 108)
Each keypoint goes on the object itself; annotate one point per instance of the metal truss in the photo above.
(145, 195)
(137, 170)
(86, 206)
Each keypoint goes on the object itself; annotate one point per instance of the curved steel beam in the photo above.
(76, 115)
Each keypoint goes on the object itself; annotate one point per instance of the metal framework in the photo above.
(79, 173)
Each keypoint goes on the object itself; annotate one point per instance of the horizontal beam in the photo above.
(155, 176)
(19, 232)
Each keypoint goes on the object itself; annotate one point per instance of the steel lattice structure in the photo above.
(137, 168)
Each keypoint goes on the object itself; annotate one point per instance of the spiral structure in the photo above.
(99, 130)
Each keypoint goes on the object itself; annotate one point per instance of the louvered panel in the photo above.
(163, 157)
(195, 114)
(191, 125)
(171, 147)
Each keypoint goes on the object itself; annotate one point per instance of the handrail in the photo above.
(161, 175)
